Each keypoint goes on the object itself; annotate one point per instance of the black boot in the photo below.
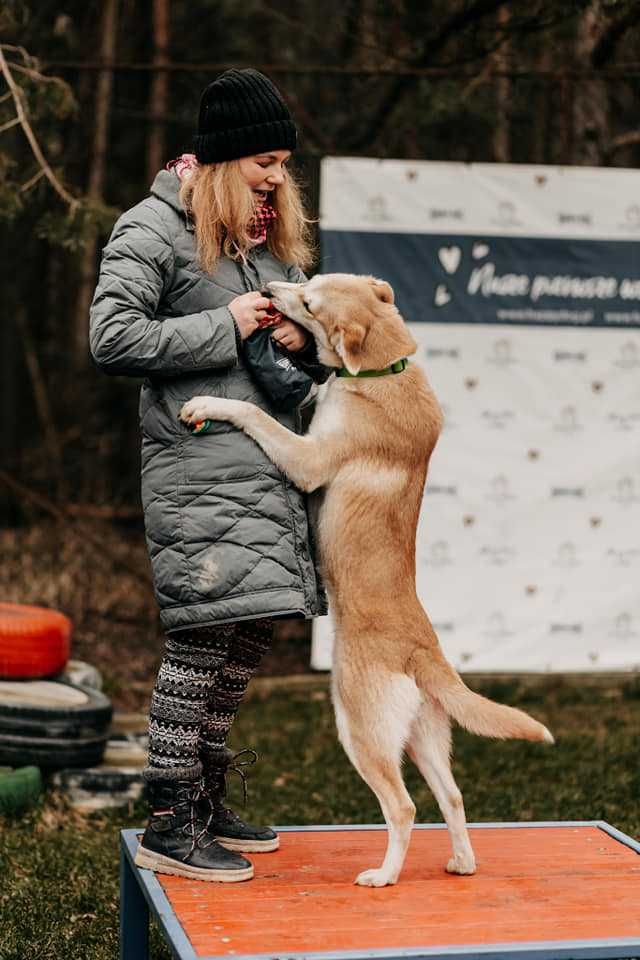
(177, 839)
(225, 825)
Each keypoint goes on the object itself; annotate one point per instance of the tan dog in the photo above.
(368, 447)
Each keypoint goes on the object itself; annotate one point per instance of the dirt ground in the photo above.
(98, 574)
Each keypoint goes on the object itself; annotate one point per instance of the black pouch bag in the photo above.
(274, 371)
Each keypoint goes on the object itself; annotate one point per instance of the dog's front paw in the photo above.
(374, 878)
(198, 409)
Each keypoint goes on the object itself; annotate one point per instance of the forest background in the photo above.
(96, 97)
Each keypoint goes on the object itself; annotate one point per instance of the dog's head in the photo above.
(353, 319)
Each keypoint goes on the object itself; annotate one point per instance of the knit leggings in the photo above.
(201, 682)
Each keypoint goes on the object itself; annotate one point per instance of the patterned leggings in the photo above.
(201, 682)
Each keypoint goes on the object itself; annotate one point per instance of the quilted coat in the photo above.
(229, 536)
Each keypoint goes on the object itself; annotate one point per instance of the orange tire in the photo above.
(34, 641)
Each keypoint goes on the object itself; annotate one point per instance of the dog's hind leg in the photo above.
(429, 747)
(374, 737)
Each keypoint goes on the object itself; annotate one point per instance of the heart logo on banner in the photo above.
(479, 251)
(449, 257)
(442, 296)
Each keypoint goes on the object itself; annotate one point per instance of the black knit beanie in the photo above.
(242, 113)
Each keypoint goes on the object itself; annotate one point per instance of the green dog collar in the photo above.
(396, 367)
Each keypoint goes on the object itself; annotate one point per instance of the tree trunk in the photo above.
(590, 105)
(95, 188)
(542, 101)
(502, 132)
(158, 90)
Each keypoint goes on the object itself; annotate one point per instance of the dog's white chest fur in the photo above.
(329, 416)
(361, 472)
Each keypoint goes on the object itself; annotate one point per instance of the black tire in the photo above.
(19, 789)
(101, 779)
(100, 788)
(51, 754)
(87, 718)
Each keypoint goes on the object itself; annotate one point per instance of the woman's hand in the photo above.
(247, 310)
(290, 335)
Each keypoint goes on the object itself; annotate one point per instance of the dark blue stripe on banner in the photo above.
(529, 281)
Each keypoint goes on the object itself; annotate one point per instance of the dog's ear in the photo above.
(347, 343)
(382, 290)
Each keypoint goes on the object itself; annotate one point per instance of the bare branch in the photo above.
(40, 77)
(32, 180)
(486, 75)
(26, 56)
(9, 124)
(33, 143)
(629, 139)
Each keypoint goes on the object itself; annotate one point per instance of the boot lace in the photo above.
(235, 766)
(199, 835)
(218, 786)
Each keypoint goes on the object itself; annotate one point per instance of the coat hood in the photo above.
(166, 186)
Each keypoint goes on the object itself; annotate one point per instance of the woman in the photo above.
(178, 302)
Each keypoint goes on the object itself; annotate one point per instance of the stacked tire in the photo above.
(35, 642)
(52, 724)
(45, 722)
(118, 780)
(99, 788)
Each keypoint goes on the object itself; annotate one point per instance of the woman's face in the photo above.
(264, 171)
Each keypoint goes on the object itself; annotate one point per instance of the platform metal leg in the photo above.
(134, 915)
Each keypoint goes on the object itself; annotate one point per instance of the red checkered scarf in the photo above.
(265, 215)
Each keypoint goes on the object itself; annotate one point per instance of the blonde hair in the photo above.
(223, 205)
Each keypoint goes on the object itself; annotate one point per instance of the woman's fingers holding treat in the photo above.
(247, 310)
(290, 335)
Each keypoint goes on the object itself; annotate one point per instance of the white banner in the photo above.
(528, 555)
(491, 199)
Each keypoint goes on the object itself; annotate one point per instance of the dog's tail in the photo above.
(435, 676)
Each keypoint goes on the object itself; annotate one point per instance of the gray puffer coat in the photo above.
(228, 535)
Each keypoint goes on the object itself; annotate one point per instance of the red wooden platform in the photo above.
(574, 886)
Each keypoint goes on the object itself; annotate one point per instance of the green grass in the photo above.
(59, 895)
